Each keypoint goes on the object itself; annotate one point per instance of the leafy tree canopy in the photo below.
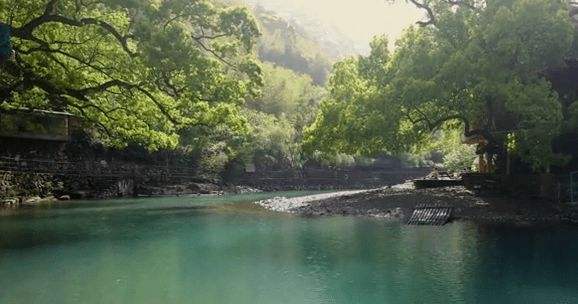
(139, 71)
(474, 65)
(277, 118)
(287, 94)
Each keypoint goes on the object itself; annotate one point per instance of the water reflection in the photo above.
(199, 252)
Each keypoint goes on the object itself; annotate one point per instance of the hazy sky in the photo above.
(357, 19)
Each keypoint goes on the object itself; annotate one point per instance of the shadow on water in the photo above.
(117, 219)
(536, 263)
(183, 251)
(35, 229)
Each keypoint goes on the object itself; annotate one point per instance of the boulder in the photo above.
(33, 200)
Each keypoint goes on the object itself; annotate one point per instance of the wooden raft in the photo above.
(432, 215)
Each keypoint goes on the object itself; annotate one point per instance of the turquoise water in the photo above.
(223, 250)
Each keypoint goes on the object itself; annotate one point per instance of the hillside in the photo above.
(289, 46)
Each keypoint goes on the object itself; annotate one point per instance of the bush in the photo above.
(460, 157)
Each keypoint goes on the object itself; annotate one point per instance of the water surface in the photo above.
(224, 250)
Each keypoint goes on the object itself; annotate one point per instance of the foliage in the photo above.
(273, 141)
(572, 123)
(276, 119)
(459, 159)
(456, 155)
(477, 67)
(286, 94)
(338, 160)
(213, 160)
(137, 71)
(354, 119)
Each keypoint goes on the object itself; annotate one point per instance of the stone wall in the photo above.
(323, 178)
(84, 179)
(27, 184)
(82, 169)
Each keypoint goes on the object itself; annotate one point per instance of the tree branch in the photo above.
(30, 79)
(430, 14)
(428, 10)
(435, 125)
(50, 16)
(214, 53)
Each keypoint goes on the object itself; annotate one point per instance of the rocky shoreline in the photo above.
(398, 202)
(395, 203)
(188, 189)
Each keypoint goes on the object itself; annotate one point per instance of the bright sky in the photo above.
(358, 19)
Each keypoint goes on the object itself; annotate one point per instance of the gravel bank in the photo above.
(292, 205)
(398, 202)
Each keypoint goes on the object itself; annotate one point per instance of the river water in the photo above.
(224, 250)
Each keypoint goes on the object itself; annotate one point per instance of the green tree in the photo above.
(273, 141)
(137, 71)
(286, 94)
(358, 117)
(473, 66)
(278, 116)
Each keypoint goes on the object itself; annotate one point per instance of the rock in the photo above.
(33, 200)
(397, 213)
(80, 195)
(373, 211)
(245, 189)
(203, 188)
(208, 188)
(13, 201)
(194, 187)
(64, 198)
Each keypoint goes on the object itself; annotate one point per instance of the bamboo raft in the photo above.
(432, 215)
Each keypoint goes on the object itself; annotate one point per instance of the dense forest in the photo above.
(198, 76)
(500, 73)
(233, 85)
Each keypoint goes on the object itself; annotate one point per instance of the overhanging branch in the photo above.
(50, 15)
(429, 11)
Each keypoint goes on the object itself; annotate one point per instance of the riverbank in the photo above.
(398, 203)
(186, 189)
(27, 180)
